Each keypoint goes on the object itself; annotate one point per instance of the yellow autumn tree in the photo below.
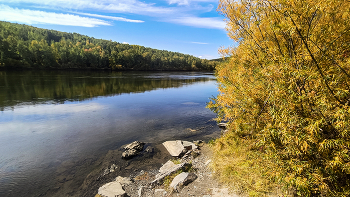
(286, 87)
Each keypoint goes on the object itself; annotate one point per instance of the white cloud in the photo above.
(209, 22)
(179, 2)
(174, 14)
(199, 43)
(187, 2)
(40, 17)
(125, 43)
(110, 17)
(120, 6)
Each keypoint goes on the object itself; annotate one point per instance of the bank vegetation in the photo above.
(285, 93)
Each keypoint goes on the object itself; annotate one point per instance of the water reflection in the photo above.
(33, 87)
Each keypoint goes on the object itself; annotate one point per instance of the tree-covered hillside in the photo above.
(23, 46)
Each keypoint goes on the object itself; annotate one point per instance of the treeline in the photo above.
(23, 46)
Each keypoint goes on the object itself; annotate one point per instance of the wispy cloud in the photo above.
(209, 22)
(110, 17)
(186, 12)
(199, 43)
(120, 6)
(187, 2)
(40, 17)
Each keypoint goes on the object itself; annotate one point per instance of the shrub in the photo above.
(286, 87)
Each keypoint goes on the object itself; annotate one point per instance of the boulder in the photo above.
(135, 146)
(175, 148)
(129, 153)
(178, 148)
(132, 149)
(112, 189)
(182, 180)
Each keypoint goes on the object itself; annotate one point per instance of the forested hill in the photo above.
(23, 46)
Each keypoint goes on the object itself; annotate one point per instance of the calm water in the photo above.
(49, 118)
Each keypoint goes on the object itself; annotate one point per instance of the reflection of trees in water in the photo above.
(19, 87)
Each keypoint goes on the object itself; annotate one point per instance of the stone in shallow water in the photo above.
(129, 154)
(135, 146)
(112, 189)
(175, 148)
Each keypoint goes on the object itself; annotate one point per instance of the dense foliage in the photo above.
(23, 46)
(286, 88)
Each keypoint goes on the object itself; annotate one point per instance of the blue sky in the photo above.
(187, 26)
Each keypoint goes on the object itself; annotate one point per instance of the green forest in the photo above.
(27, 47)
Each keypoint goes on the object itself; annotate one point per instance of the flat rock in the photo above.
(135, 146)
(112, 189)
(168, 169)
(182, 180)
(175, 148)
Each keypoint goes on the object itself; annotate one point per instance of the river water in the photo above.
(51, 118)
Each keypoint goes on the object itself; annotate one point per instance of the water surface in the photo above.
(50, 118)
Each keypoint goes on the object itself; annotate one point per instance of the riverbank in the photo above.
(138, 179)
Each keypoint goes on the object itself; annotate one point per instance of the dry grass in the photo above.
(244, 169)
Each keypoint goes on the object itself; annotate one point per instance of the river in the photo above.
(55, 121)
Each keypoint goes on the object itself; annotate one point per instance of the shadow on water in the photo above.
(60, 129)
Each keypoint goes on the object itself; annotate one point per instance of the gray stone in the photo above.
(189, 145)
(222, 126)
(135, 146)
(168, 169)
(167, 166)
(129, 153)
(175, 148)
(112, 189)
(123, 180)
(113, 168)
(149, 149)
(182, 180)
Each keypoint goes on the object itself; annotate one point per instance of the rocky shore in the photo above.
(186, 172)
